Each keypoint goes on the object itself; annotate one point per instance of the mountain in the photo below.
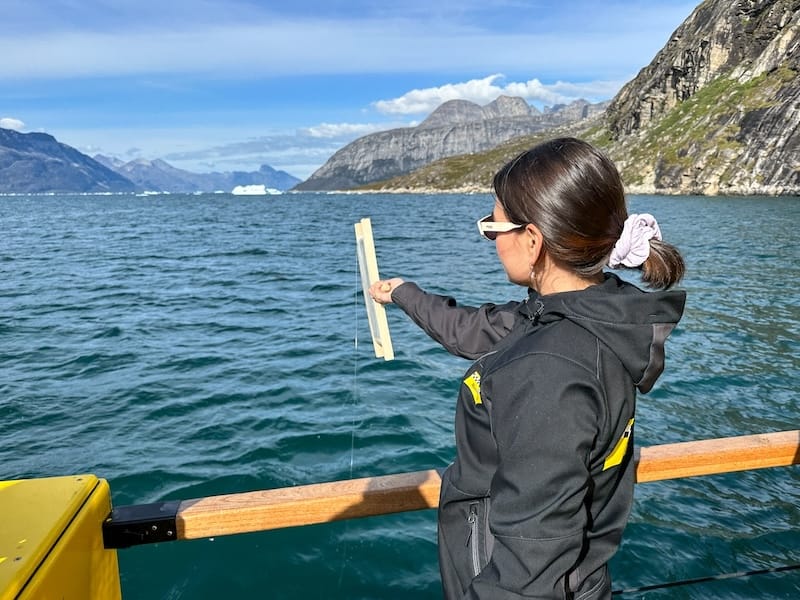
(454, 128)
(155, 176)
(37, 162)
(717, 111)
(159, 176)
(459, 112)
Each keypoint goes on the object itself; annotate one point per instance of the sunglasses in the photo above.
(489, 228)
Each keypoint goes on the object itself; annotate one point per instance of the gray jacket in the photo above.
(536, 500)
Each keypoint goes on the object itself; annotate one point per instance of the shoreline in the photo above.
(631, 190)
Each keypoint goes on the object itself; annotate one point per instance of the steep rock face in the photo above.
(716, 111)
(456, 127)
(578, 110)
(388, 153)
(453, 112)
(508, 106)
(38, 163)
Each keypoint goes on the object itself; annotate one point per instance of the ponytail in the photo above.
(664, 266)
(640, 247)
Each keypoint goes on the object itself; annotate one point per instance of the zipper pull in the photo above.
(538, 312)
(473, 513)
(472, 518)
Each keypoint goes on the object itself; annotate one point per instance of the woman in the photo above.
(538, 496)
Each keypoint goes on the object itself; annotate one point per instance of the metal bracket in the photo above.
(141, 524)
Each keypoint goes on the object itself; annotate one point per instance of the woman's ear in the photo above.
(533, 239)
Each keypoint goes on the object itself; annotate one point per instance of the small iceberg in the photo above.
(254, 190)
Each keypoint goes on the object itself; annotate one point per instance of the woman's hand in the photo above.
(381, 290)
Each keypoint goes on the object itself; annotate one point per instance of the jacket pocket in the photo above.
(472, 538)
(479, 539)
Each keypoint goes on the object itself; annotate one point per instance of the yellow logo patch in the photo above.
(473, 382)
(619, 451)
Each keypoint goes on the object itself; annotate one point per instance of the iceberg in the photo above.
(254, 190)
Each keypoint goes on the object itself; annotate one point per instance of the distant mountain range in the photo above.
(38, 163)
(158, 175)
(457, 127)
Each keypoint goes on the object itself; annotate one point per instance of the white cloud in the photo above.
(298, 152)
(483, 91)
(338, 130)
(11, 123)
(425, 100)
(565, 90)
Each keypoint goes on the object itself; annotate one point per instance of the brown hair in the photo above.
(573, 193)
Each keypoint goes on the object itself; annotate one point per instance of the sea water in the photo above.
(185, 346)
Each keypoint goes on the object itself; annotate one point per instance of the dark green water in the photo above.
(184, 346)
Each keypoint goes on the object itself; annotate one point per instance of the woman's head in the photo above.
(574, 195)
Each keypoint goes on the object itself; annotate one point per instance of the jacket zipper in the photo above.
(472, 540)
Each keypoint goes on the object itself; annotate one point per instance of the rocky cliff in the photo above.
(716, 112)
(454, 128)
(455, 112)
(36, 162)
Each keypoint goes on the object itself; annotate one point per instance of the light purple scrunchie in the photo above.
(633, 246)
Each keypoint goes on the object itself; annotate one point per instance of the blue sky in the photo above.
(220, 85)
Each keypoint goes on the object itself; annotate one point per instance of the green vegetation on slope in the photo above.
(706, 125)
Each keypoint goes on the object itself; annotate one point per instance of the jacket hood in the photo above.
(633, 323)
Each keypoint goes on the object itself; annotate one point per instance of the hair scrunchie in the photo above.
(633, 246)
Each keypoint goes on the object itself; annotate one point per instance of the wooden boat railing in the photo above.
(370, 496)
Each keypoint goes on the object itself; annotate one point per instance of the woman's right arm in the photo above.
(465, 331)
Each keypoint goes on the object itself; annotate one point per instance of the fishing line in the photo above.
(354, 406)
(355, 370)
(658, 586)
